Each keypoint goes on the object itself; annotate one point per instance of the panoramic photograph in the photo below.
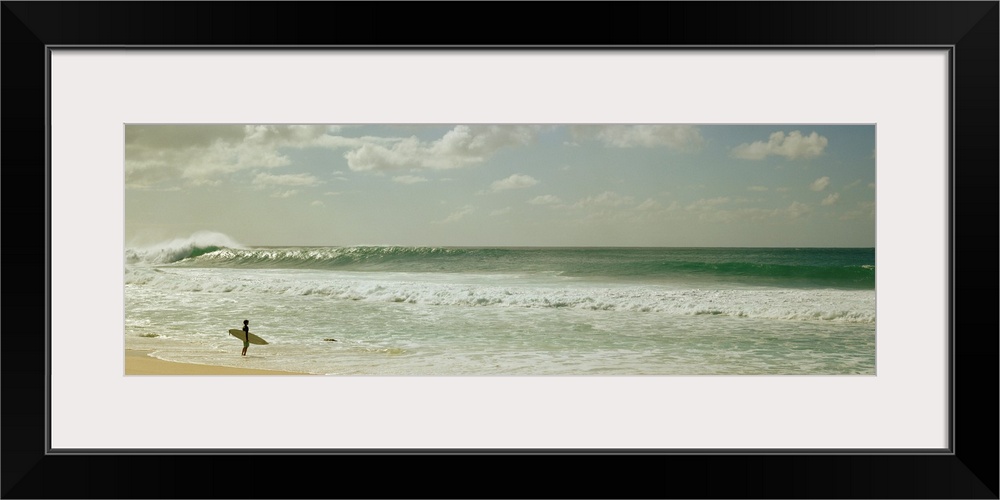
(500, 249)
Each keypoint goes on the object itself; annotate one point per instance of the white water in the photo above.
(469, 324)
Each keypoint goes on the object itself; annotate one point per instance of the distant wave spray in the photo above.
(178, 249)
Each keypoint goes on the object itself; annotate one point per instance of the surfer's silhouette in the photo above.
(246, 336)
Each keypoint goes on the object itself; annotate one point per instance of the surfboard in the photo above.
(253, 338)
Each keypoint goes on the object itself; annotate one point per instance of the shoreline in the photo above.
(139, 362)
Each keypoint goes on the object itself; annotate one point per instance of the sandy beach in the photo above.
(138, 362)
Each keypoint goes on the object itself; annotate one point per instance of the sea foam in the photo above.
(199, 243)
(473, 291)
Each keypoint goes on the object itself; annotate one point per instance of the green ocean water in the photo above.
(429, 311)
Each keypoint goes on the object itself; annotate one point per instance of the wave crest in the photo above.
(824, 305)
(178, 249)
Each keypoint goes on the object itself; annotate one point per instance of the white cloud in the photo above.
(605, 199)
(285, 135)
(318, 203)
(200, 154)
(649, 205)
(199, 182)
(547, 199)
(792, 146)
(457, 215)
(408, 179)
(706, 204)
(461, 146)
(863, 210)
(285, 194)
(830, 200)
(676, 137)
(195, 154)
(502, 211)
(516, 181)
(797, 209)
(757, 188)
(265, 180)
(820, 184)
(403, 154)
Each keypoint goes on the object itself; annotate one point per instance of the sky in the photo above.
(620, 185)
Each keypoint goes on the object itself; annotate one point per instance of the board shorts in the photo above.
(246, 343)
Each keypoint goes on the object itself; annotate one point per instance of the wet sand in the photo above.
(138, 362)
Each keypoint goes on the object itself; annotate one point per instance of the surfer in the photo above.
(246, 336)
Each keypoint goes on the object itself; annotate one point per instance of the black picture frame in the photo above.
(969, 470)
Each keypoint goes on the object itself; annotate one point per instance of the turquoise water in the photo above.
(508, 311)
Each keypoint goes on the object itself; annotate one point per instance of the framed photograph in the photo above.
(502, 249)
(727, 256)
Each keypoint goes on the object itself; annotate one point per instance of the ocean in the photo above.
(451, 311)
